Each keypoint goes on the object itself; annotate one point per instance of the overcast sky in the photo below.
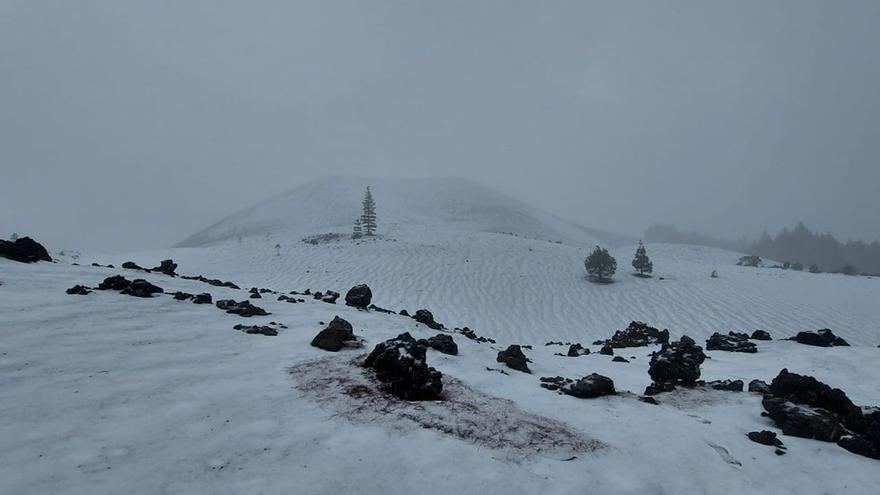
(132, 124)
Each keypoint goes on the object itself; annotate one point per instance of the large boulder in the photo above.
(732, 342)
(24, 250)
(338, 334)
(442, 343)
(514, 358)
(588, 387)
(637, 334)
(401, 364)
(243, 308)
(359, 296)
(677, 362)
(819, 338)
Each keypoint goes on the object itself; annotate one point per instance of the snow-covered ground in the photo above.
(107, 393)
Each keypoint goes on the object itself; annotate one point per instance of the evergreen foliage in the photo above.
(600, 265)
(368, 218)
(641, 262)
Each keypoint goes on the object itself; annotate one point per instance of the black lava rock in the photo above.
(637, 334)
(820, 338)
(401, 364)
(116, 282)
(335, 336)
(588, 387)
(727, 385)
(514, 358)
(203, 298)
(620, 359)
(24, 250)
(182, 296)
(761, 335)
(141, 288)
(732, 342)
(759, 386)
(678, 362)
(575, 350)
(442, 343)
(764, 437)
(607, 350)
(167, 267)
(359, 296)
(79, 290)
(425, 317)
(257, 330)
(243, 308)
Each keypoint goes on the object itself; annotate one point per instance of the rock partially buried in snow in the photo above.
(401, 364)
(514, 358)
(764, 437)
(167, 267)
(24, 250)
(819, 338)
(359, 296)
(426, 318)
(575, 350)
(243, 308)
(637, 334)
(338, 334)
(726, 385)
(116, 282)
(141, 288)
(732, 342)
(588, 387)
(257, 330)
(761, 335)
(79, 290)
(442, 343)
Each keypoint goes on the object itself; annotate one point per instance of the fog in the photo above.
(130, 124)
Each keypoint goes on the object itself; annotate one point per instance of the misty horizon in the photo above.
(131, 126)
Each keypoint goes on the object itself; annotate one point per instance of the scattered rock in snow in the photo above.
(203, 298)
(761, 335)
(257, 330)
(677, 362)
(442, 343)
(401, 364)
(211, 281)
(732, 342)
(620, 359)
(403, 312)
(648, 400)
(167, 267)
(338, 334)
(381, 310)
(243, 308)
(359, 296)
(514, 358)
(727, 385)
(79, 290)
(470, 334)
(764, 437)
(575, 350)
(588, 387)
(182, 296)
(141, 288)
(116, 282)
(819, 338)
(759, 387)
(426, 318)
(330, 297)
(607, 350)
(637, 334)
(24, 250)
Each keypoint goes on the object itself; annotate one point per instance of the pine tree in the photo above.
(601, 265)
(368, 218)
(357, 232)
(641, 262)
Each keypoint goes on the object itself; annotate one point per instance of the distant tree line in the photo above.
(796, 248)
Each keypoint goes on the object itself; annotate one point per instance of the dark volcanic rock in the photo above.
(764, 437)
(79, 290)
(182, 296)
(131, 265)
(727, 385)
(759, 386)
(203, 298)
(380, 310)
(403, 312)
(425, 317)
(257, 330)
(732, 342)
(514, 358)
(24, 250)
(141, 288)
(255, 295)
(637, 334)
(243, 308)
(820, 338)
(805, 407)
(116, 282)
(607, 350)
(620, 359)
(211, 281)
(678, 362)
(467, 332)
(336, 336)
(575, 350)
(443, 343)
(330, 297)
(167, 267)
(401, 364)
(588, 387)
(359, 296)
(761, 335)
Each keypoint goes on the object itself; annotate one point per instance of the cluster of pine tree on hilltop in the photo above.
(365, 225)
(601, 266)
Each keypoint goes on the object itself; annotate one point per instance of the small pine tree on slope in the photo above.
(641, 262)
(368, 218)
(357, 232)
(600, 265)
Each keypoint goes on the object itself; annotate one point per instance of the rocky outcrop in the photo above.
(514, 358)
(338, 334)
(141, 288)
(675, 363)
(400, 363)
(24, 250)
(442, 343)
(257, 330)
(426, 318)
(575, 350)
(732, 342)
(588, 387)
(761, 335)
(819, 338)
(637, 334)
(359, 296)
(243, 308)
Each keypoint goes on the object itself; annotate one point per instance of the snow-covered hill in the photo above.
(405, 206)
